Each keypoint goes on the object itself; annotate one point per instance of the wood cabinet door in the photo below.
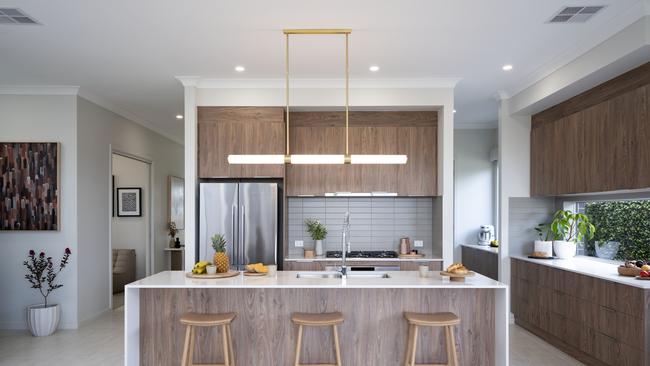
(569, 151)
(317, 179)
(419, 176)
(542, 156)
(239, 130)
(373, 140)
(600, 143)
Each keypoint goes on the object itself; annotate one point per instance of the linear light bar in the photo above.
(255, 159)
(379, 159)
(317, 159)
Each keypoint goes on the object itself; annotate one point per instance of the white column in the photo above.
(514, 173)
(446, 177)
(189, 84)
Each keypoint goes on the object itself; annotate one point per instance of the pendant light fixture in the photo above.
(318, 158)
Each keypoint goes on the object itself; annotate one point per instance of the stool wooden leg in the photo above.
(190, 355)
(407, 358)
(298, 345)
(224, 336)
(336, 346)
(415, 344)
(186, 345)
(232, 354)
(452, 357)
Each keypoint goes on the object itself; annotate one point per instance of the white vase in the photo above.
(42, 321)
(564, 249)
(319, 247)
(543, 246)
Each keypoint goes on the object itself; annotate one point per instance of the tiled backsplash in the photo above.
(376, 223)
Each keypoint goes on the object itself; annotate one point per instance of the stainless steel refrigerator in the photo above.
(247, 214)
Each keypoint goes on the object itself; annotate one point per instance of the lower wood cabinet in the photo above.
(481, 260)
(303, 266)
(598, 322)
(321, 265)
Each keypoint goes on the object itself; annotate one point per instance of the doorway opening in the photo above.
(131, 237)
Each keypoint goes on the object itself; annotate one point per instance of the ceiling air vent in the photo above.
(575, 14)
(15, 16)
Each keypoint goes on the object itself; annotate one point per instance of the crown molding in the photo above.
(39, 90)
(420, 83)
(128, 115)
(608, 30)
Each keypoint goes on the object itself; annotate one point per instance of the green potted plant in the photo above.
(318, 232)
(43, 319)
(568, 228)
(544, 243)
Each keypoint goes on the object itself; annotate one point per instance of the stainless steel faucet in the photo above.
(345, 242)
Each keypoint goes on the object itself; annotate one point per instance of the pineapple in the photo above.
(220, 256)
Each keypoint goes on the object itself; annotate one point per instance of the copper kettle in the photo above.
(404, 246)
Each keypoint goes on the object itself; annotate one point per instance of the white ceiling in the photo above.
(126, 53)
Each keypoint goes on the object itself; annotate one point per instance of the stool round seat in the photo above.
(207, 320)
(312, 319)
(432, 319)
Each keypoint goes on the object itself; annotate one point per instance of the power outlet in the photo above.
(299, 243)
(418, 243)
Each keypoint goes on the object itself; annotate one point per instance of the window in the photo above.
(622, 228)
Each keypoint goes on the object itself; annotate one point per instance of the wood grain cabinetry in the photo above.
(599, 322)
(321, 265)
(410, 133)
(596, 141)
(481, 260)
(239, 130)
(304, 266)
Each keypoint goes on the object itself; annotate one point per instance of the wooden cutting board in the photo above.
(213, 276)
(411, 256)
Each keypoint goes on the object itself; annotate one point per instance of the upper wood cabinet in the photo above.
(410, 133)
(595, 142)
(239, 130)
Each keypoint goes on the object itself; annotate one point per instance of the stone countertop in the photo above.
(486, 248)
(288, 279)
(589, 266)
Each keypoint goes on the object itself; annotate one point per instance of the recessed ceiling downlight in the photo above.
(15, 16)
(240, 68)
(506, 67)
(374, 68)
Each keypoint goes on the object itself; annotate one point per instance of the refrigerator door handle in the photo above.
(234, 239)
(242, 238)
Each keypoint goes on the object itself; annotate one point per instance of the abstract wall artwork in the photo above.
(29, 186)
(129, 202)
(177, 201)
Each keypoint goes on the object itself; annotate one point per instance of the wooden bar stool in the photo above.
(193, 320)
(318, 320)
(446, 320)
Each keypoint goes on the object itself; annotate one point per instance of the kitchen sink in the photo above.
(368, 274)
(319, 275)
(334, 274)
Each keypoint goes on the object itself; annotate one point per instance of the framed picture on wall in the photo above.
(129, 202)
(30, 183)
(177, 201)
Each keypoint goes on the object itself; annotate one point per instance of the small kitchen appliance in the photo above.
(485, 235)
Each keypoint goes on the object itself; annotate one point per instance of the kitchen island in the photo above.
(374, 331)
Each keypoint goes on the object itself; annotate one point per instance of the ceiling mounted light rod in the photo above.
(287, 158)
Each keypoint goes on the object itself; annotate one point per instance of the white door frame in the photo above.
(150, 247)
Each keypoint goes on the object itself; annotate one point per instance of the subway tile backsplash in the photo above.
(377, 223)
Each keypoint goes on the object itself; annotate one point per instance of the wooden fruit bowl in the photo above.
(628, 272)
(206, 276)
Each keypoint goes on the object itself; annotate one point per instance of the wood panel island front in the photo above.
(374, 331)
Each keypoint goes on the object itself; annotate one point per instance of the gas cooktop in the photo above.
(363, 254)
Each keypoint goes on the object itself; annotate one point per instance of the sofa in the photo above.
(123, 268)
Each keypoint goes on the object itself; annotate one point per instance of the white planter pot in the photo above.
(319, 247)
(545, 247)
(42, 321)
(564, 249)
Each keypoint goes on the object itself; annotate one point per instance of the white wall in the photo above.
(99, 131)
(132, 232)
(48, 119)
(474, 184)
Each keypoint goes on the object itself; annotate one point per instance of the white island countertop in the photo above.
(589, 266)
(288, 279)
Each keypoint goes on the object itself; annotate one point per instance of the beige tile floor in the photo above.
(99, 343)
